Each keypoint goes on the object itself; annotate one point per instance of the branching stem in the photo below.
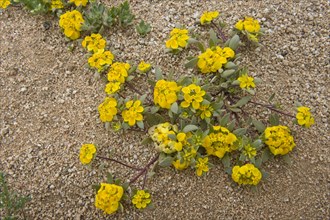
(144, 170)
(121, 163)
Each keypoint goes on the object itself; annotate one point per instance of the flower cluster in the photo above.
(249, 151)
(165, 93)
(71, 22)
(144, 67)
(56, 4)
(116, 76)
(4, 3)
(202, 166)
(160, 134)
(220, 141)
(279, 139)
(94, 43)
(304, 117)
(214, 58)
(251, 26)
(87, 152)
(108, 197)
(205, 111)
(193, 95)
(133, 112)
(208, 16)
(100, 59)
(107, 109)
(246, 82)
(141, 199)
(178, 38)
(79, 2)
(247, 174)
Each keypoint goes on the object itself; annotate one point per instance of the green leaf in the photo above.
(192, 63)
(226, 160)
(257, 144)
(154, 109)
(213, 38)
(258, 162)
(240, 131)
(271, 97)
(231, 125)
(189, 128)
(110, 178)
(258, 125)
(227, 73)
(172, 137)
(146, 141)
(266, 154)
(234, 42)
(287, 159)
(242, 101)
(165, 161)
(230, 65)
(229, 170)
(265, 175)
(140, 124)
(242, 157)
(158, 73)
(274, 119)
(224, 120)
(236, 110)
(175, 108)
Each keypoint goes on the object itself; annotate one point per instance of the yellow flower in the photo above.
(249, 24)
(213, 59)
(205, 111)
(180, 166)
(141, 199)
(279, 139)
(87, 152)
(79, 2)
(94, 43)
(202, 166)
(246, 82)
(107, 109)
(165, 93)
(99, 59)
(219, 142)
(56, 4)
(133, 111)
(71, 22)
(144, 67)
(304, 117)
(160, 135)
(247, 174)
(118, 72)
(4, 3)
(193, 95)
(207, 17)
(239, 25)
(249, 151)
(179, 38)
(112, 87)
(108, 197)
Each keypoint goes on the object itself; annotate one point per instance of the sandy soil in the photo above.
(49, 105)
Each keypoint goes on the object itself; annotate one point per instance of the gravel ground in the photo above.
(49, 99)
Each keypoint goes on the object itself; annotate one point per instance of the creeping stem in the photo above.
(270, 107)
(222, 35)
(144, 170)
(121, 163)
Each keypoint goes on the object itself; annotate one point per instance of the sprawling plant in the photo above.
(190, 121)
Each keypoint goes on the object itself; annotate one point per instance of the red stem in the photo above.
(121, 163)
(145, 169)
